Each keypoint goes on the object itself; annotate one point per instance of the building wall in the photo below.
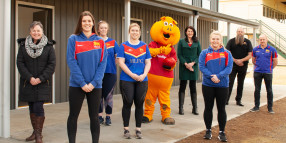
(66, 16)
(275, 4)
(246, 9)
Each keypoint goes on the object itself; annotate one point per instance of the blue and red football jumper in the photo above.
(112, 50)
(264, 59)
(86, 58)
(135, 56)
(218, 62)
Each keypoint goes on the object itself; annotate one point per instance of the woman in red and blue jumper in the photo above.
(86, 58)
(134, 59)
(215, 63)
(110, 76)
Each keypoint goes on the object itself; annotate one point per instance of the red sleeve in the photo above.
(153, 44)
(173, 53)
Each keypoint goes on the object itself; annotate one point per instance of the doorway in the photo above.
(26, 13)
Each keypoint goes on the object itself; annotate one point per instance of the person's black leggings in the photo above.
(37, 108)
(133, 91)
(221, 94)
(76, 97)
(108, 84)
(192, 86)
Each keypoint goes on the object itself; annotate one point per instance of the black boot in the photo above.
(194, 102)
(181, 103)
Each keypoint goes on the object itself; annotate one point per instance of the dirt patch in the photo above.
(257, 127)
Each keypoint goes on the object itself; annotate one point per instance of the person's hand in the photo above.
(33, 81)
(85, 88)
(135, 76)
(189, 66)
(90, 86)
(215, 79)
(141, 77)
(239, 62)
(38, 81)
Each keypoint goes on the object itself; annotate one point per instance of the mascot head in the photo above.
(165, 31)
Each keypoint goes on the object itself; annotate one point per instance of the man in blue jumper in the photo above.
(264, 58)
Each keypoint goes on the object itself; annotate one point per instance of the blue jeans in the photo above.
(268, 83)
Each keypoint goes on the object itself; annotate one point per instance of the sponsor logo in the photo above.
(136, 60)
(96, 44)
(161, 56)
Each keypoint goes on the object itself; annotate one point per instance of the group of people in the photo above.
(92, 57)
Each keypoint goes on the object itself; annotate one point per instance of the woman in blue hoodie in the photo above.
(86, 58)
(215, 63)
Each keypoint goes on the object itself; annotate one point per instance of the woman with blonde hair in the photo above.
(215, 63)
(110, 77)
(135, 61)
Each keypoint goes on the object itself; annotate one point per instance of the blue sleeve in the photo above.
(75, 71)
(120, 53)
(227, 70)
(253, 53)
(100, 70)
(202, 65)
(148, 54)
(116, 48)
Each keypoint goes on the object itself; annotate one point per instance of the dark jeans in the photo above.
(192, 86)
(210, 94)
(133, 91)
(268, 83)
(37, 108)
(76, 97)
(240, 71)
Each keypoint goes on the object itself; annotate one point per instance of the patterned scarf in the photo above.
(34, 50)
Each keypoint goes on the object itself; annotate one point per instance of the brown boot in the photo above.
(169, 121)
(39, 127)
(33, 122)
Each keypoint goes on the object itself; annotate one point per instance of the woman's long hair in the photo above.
(194, 38)
(78, 29)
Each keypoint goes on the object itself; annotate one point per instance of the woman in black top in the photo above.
(36, 63)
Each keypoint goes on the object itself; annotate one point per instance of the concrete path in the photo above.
(56, 116)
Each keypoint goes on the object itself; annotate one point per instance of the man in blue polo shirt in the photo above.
(264, 58)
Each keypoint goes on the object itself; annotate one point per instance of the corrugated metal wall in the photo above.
(66, 16)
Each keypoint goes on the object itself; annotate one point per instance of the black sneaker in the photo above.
(271, 111)
(101, 120)
(222, 137)
(138, 135)
(145, 120)
(127, 134)
(107, 121)
(254, 109)
(208, 135)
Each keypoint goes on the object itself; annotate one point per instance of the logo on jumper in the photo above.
(110, 44)
(96, 44)
(135, 52)
(221, 55)
(267, 51)
(209, 54)
(161, 56)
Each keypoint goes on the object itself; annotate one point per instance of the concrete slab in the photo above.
(56, 116)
